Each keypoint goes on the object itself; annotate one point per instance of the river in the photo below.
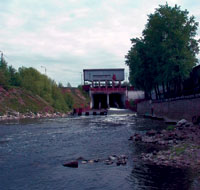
(32, 153)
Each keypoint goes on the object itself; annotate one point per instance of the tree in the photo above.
(3, 79)
(69, 100)
(59, 102)
(60, 85)
(166, 52)
(4, 74)
(69, 85)
(14, 78)
(141, 66)
(31, 79)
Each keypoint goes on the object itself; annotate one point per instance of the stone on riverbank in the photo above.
(181, 122)
(183, 145)
(151, 132)
(30, 115)
(179, 156)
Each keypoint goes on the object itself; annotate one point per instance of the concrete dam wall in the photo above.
(173, 109)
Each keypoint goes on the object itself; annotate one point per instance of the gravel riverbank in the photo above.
(182, 144)
(30, 115)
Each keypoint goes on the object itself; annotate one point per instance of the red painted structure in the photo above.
(108, 89)
(104, 87)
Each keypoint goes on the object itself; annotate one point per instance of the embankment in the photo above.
(22, 101)
(176, 109)
(80, 98)
(17, 101)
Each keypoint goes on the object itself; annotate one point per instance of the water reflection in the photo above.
(159, 177)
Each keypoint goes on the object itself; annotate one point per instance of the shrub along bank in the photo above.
(27, 90)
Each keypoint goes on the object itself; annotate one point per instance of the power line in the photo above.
(71, 70)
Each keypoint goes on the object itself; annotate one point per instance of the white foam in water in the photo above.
(117, 111)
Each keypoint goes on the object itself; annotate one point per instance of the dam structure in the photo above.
(105, 87)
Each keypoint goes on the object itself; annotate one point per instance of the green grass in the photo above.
(180, 150)
(170, 128)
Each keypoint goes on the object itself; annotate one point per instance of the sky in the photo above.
(64, 37)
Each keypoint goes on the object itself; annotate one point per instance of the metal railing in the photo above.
(177, 98)
(104, 89)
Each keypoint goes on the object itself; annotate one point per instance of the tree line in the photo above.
(39, 84)
(164, 56)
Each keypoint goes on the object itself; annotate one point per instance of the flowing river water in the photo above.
(32, 153)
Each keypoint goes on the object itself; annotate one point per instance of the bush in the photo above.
(170, 127)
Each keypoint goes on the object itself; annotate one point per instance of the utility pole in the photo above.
(126, 77)
(1, 57)
(75, 71)
(81, 78)
(45, 69)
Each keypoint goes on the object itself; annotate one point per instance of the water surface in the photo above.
(32, 153)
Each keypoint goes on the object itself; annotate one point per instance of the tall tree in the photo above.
(14, 78)
(170, 49)
(4, 73)
(141, 67)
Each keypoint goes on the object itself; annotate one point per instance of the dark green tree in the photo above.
(141, 66)
(69, 100)
(41, 85)
(59, 102)
(4, 74)
(166, 52)
(14, 78)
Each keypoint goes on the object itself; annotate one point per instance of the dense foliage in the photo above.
(39, 84)
(166, 52)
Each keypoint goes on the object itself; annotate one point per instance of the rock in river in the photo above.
(151, 132)
(73, 164)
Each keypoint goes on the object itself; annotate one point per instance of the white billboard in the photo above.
(103, 74)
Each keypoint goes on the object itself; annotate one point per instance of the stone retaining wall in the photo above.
(175, 110)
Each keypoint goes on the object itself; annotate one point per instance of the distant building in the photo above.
(103, 75)
(104, 86)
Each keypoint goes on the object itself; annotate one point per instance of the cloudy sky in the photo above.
(67, 36)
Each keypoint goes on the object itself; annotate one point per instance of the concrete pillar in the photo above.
(92, 101)
(108, 103)
(123, 99)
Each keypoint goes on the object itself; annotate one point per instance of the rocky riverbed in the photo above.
(31, 115)
(112, 159)
(182, 144)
